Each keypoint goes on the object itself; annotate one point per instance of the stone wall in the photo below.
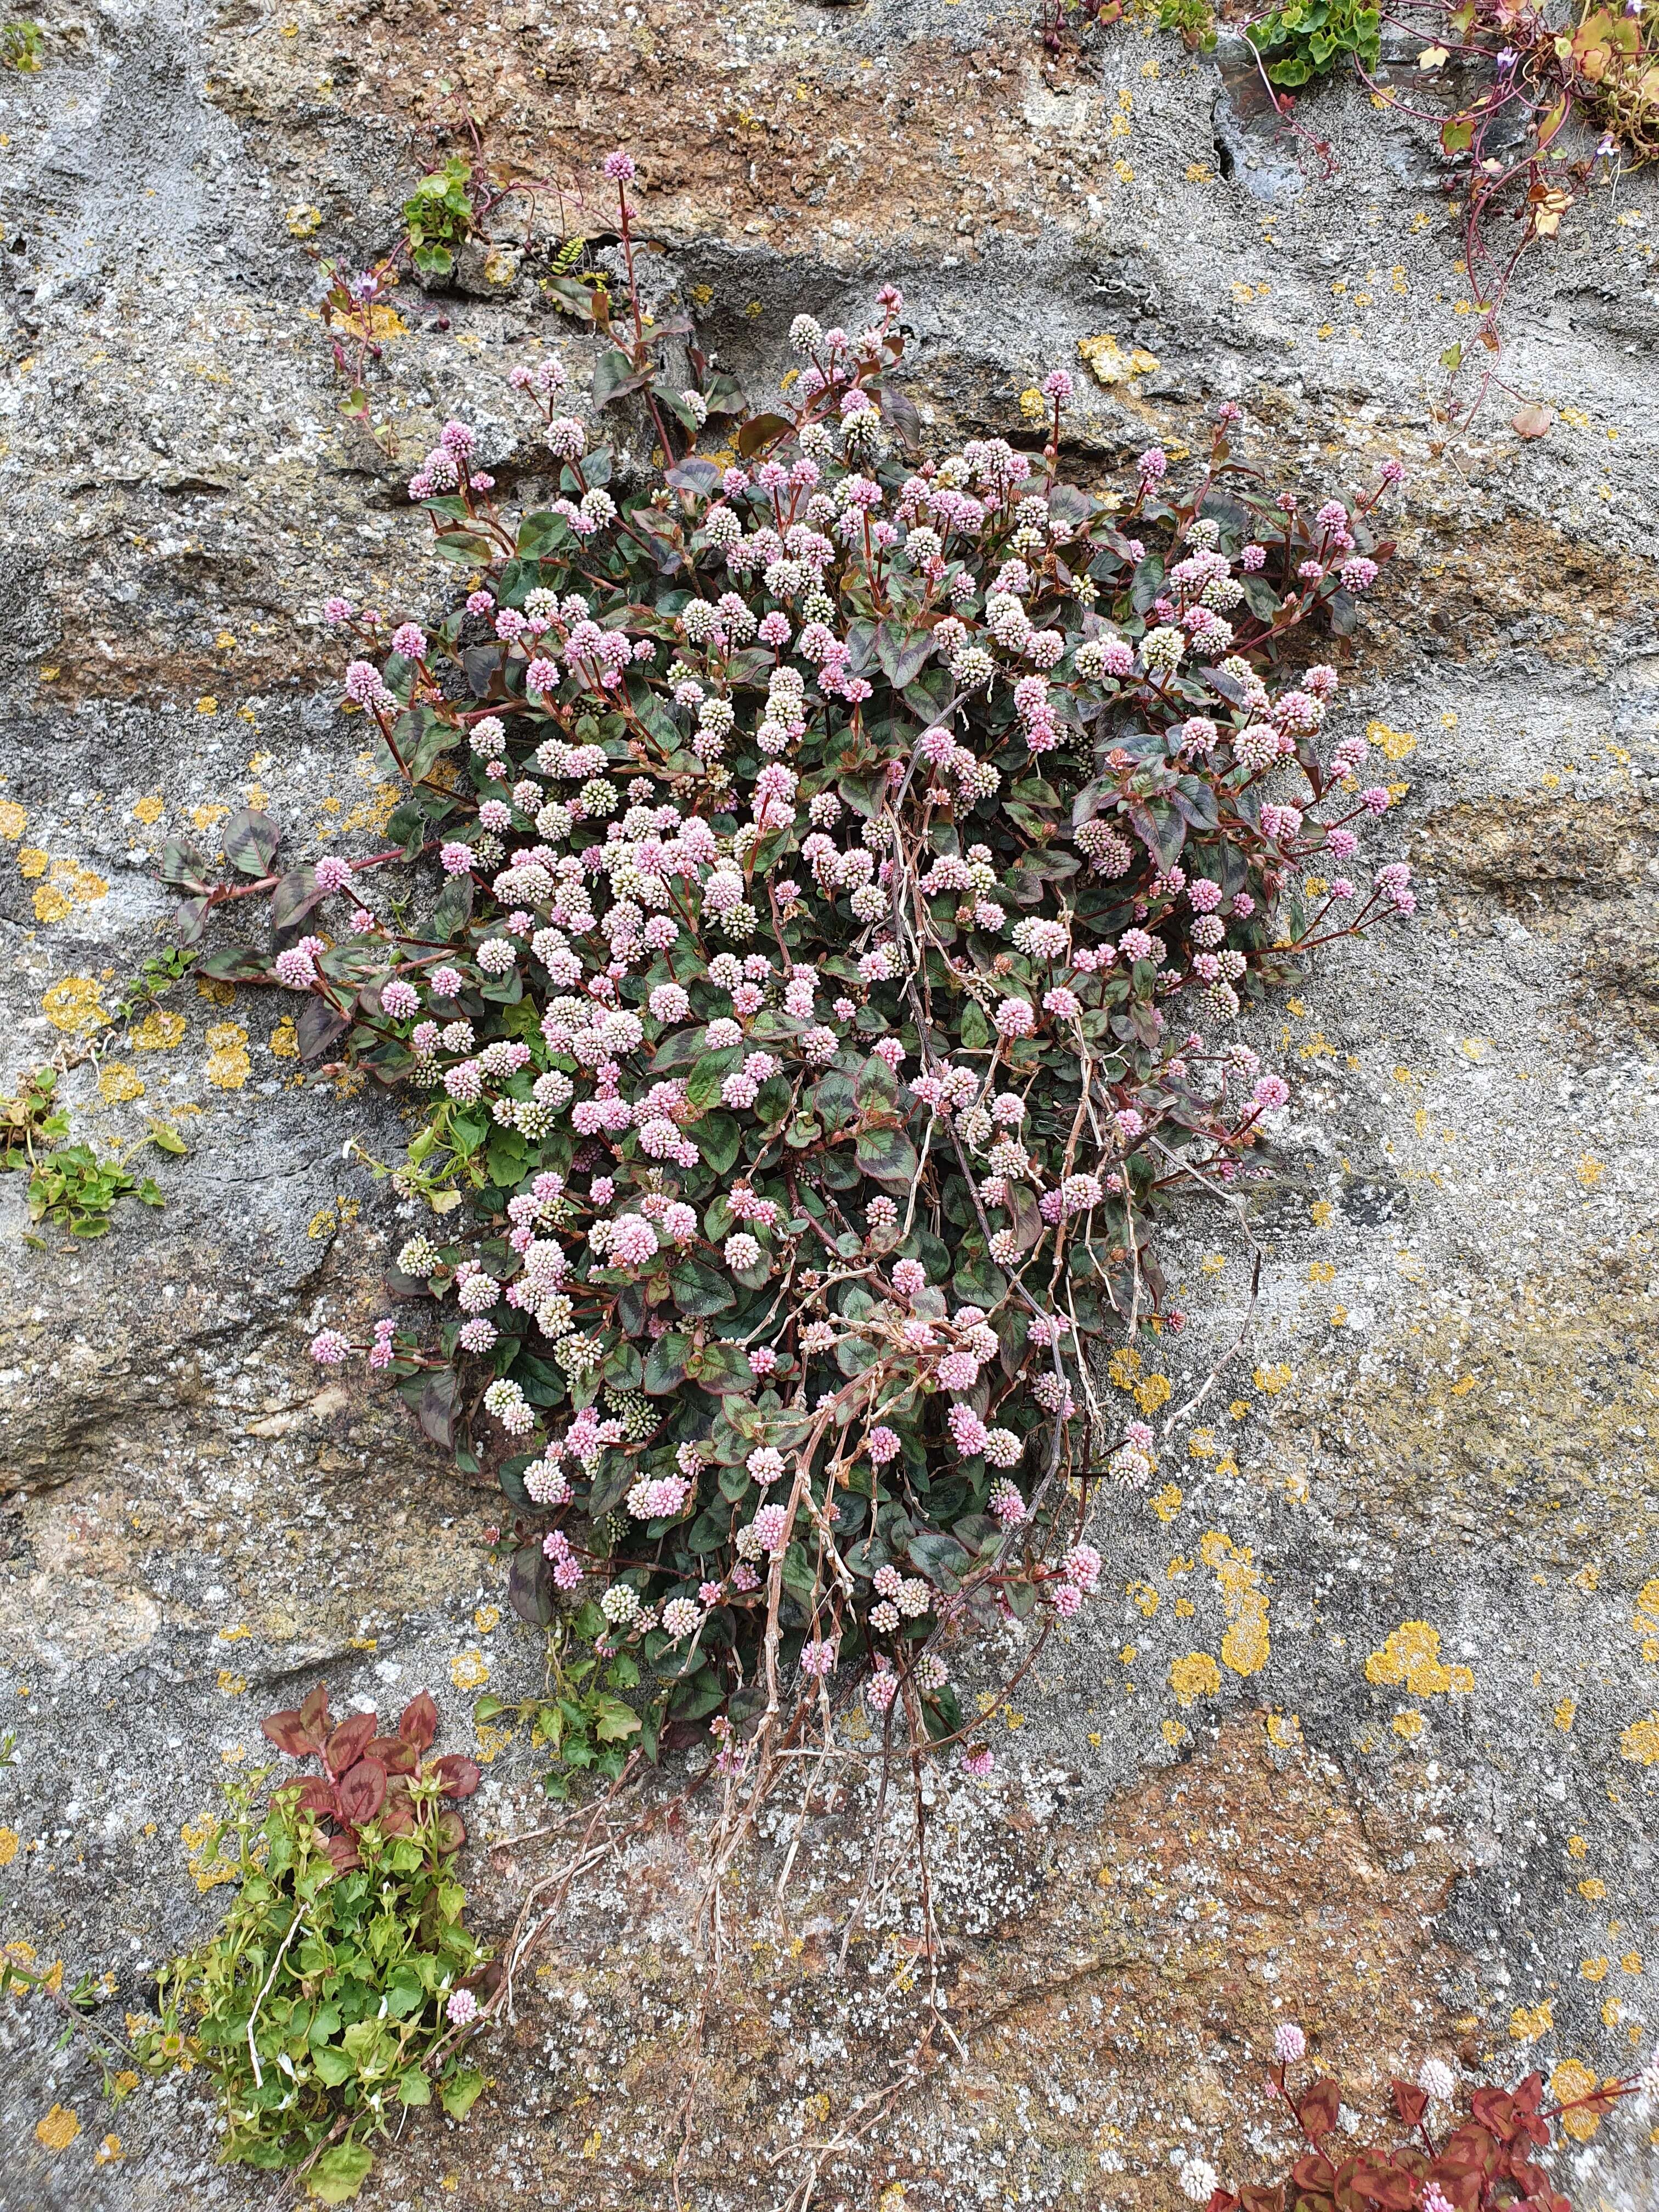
(1368, 1729)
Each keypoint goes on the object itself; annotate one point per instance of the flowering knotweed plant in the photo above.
(851, 872)
(1464, 2147)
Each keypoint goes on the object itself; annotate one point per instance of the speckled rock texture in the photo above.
(1365, 1731)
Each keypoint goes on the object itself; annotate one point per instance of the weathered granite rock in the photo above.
(1367, 1730)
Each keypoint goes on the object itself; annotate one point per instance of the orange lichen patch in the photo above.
(1571, 2081)
(118, 1086)
(160, 1031)
(1246, 1647)
(1154, 1391)
(73, 1006)
(1195, 1675)
(228, 1066)
(200, 1838)
(69, 885)
(59, 2130)
(1410, 1657)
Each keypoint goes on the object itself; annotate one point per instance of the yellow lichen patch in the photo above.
(1273, 1379)
(32, 862)
(1594, 1970)
(1320, 1212)
(1529, 2025)
(149, 809)
(284, 1039)
(200, 1838)
(1408, 1724)
(202, 818)
(467, 1670)
(118, 1086)
(1122, 1367)
(1192, 1676)
(228, 1066)
(59, 2130)
(486, 1618)
(1166, 1504)
(109, 2152)
(232, 1685)
(1143, 1598)
(372, 814)
(1410, 1657)
(1577, 1847)
(491, 1740)
(1284, 1731)
(1590, 1170)
(1640, 1741)
(216, 993)
(1394, 745)
(13, 820)
(1172, 1733)
(1107, 362)
(1246, 1647)
(1565, 1713)
(160, 1031)
(69, 885)
(1152, 1393)
(10, 1843)
(1645, 1620)
(1593, 1888)
(1570, 2081)
(73, 1006)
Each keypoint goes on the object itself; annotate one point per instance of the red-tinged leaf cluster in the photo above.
(367, 1775)
(1491, 2160)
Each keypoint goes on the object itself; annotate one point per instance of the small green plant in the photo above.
(153, 980)
(1193, 22)
(1308, 39)
(21, 47)
(337, 1992)
(439, 214)
(581, 1718)
(69, 1185)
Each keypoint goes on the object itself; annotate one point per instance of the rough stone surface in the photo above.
(1245, 1788)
